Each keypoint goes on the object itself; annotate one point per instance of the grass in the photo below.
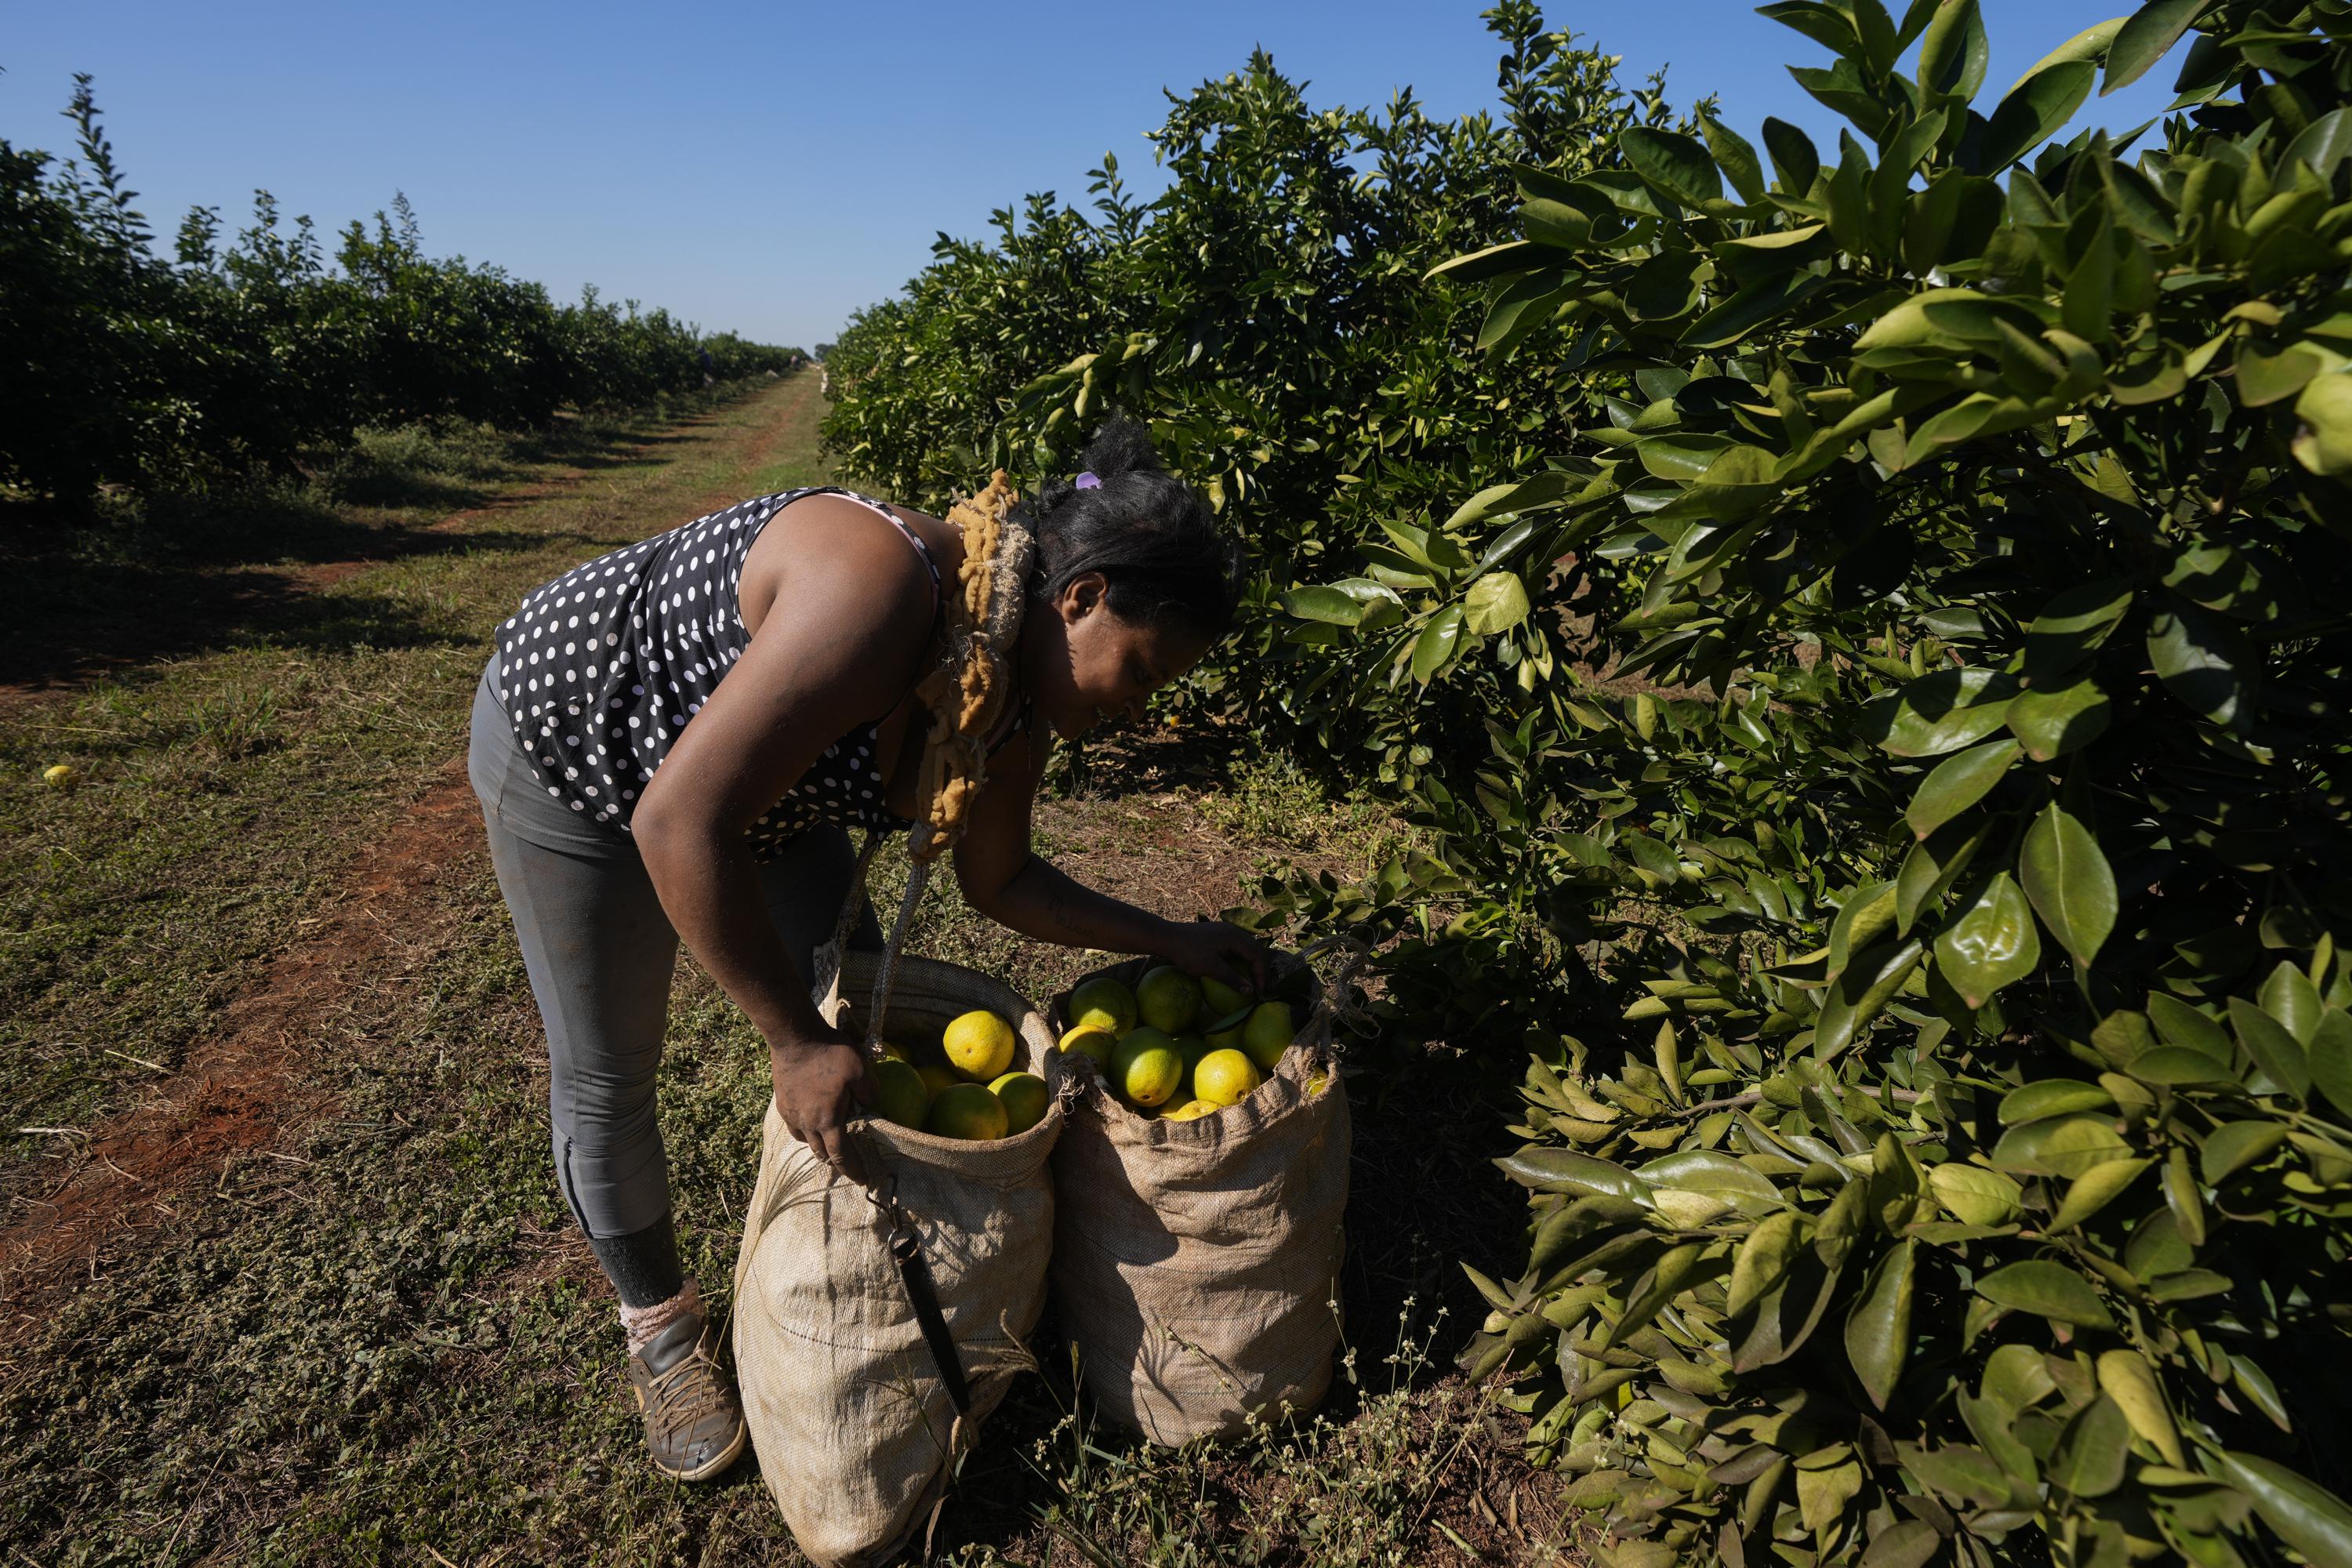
(372, 1334)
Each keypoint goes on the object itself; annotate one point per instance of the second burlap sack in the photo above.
(855, 1428)
(1196, 1264)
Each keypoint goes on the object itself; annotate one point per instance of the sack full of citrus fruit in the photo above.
(856, 1421)
(1199, 1187)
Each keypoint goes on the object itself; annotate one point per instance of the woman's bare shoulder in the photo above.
(828, 543)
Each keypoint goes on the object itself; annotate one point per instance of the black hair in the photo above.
(1154, 539)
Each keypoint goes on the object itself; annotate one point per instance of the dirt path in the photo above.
(243, 1090)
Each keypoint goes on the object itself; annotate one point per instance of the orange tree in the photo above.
(1965, 1175)
(1920, 897)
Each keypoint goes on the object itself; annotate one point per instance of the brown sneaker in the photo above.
(694, 1424)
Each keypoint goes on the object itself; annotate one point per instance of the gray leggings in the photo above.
(600, 951)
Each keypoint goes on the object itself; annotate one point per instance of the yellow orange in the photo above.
(1146, 1069)
(1105, 1004)
(1225, 1077)
(979, 1046)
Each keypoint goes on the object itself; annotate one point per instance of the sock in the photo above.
(642, 1325)
(643, 1265)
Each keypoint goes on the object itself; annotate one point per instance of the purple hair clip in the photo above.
(1087, 481)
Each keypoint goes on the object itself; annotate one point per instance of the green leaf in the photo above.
(1905, 1543)
(2033, 111)
(2060, 1145)
(1953, 56)
(2091, 1453)
(2127, 1379)
(2049, 1290)
(2146, 35)
(2052, 723)
(2068, 879)
(2308, 1516)
(1496, 603)
(2094, 1189)
(1717, 1176)
(2331, 1058)
(2072, 625)
(1992, 942)
(1436, 643)
(1494, 261)
(2325, 143)
(1965, 1474)
(1878, 1329)
(2289, 996)
(2234, 1145)
(1938, 713)
(1763, 1261)
(2278, 1053)
(2264, 379)
(1795, 159)
(2089, 45)
(1679, 458)
(1328, 606)
(1672, 163)
(2203, 661)
(2052, 1097)
(2324, 444)
(1957, 784)
(1565, 1171)
(1974, 1196)
(1736, 156)
(2184, 1026)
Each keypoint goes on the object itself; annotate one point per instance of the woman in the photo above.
(670, 741)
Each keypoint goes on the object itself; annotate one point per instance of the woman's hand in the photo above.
(822, 1085)
(1219, 949)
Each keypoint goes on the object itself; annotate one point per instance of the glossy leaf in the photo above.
(2033, 111)
(2307, 1516)
(1959, 782)
(1878, 1329)
(2070, 884)
(2052, 723)
(2278, 1053)
(1990, 943)
(2093, 1450)
(2049, 1290)
(1672, 163)
(2146, 37)
(1435, 644)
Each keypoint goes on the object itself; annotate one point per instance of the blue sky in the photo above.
(770, 167)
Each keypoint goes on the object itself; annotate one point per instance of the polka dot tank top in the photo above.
(602, 668)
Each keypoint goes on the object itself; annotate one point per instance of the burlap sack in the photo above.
(1196, 1264)
(855, 1431)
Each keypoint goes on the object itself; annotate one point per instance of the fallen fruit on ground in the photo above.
(1219, 1000)
(979, 1046)
(1267, 1034)
(1225, 1077)
(1146, 1069)
(969, 1112)
(1191, 1111)
(1024, 1097)
(899, 1093)
(1105, 1004)
(62, 775)
(1167, 999)
(1090, 1040)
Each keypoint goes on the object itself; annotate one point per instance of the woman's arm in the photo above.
(843, 642)
(1008, 882)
